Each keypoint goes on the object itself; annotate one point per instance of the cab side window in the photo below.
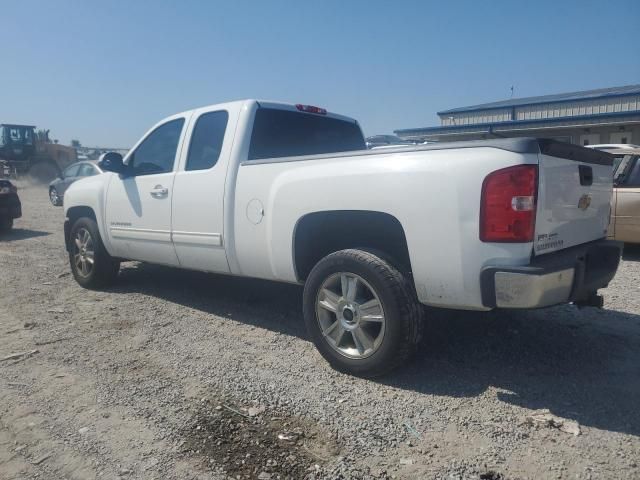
(206, 140)
(157, 152)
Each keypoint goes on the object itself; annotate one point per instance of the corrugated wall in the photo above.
(546, 110)
(483, 116)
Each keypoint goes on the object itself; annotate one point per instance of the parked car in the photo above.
(625, 201)
(387, 147)
(386, 140)
(398, 145)
(289, 193)
(10, 206)
(72, 173)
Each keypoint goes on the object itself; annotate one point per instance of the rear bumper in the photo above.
(571, 275)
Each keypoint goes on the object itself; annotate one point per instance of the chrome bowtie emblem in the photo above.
(585, 201)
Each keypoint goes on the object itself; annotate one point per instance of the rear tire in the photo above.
(362, 313)
(91, 264)
(56, 201)
(6, 224)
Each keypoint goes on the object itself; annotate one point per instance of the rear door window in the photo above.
(86, 170)
(206, 140)
(71, 171)
(285, 133)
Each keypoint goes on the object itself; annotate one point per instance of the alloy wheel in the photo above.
(350, 315)
(83, 252)
(53, 196)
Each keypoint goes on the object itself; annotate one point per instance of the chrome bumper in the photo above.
(520, 290)
(571, 275)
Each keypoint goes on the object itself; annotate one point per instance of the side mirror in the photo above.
(112, 162)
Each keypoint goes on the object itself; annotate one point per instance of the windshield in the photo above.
(621, 162)
(283, 133)
(18, 135)
(617, 160)
(621, 166)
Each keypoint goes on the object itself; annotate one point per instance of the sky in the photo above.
(103, 72)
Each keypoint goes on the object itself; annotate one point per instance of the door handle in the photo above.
(159, 191)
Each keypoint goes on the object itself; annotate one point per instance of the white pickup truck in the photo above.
(290, 193)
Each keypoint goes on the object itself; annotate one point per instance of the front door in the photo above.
(627, 205)
(69, 176)
(199, 187)
(138, 211)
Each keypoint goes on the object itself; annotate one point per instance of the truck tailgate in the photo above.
(574, 193)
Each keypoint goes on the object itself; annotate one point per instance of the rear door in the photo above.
(69, 175)
(627, 206)
(197, 226)
(574, 196)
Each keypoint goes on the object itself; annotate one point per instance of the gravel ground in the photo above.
(182, 375)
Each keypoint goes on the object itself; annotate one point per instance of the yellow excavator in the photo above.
(23, 151)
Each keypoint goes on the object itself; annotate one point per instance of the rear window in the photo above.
(283, 133)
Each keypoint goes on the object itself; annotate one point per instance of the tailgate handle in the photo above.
(586, 175)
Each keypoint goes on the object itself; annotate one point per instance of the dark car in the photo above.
(73, 172)
(10, 206)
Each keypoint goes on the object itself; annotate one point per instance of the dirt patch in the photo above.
(491, 475)
(254, 442)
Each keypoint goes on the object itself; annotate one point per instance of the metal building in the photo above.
(605, 115)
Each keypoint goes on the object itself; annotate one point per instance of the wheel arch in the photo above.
(317, 234)
(73, 214)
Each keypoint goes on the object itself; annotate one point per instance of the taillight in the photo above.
(508, 205)
(311, 109)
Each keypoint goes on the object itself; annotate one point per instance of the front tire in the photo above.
(362, 313)
(91, 264)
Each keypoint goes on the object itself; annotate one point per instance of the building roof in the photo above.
(14, 125)
(560, 97)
